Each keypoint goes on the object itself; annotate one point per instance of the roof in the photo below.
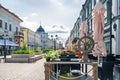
(40, 29)
(11, 13)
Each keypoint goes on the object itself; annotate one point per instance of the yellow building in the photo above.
(31, 39)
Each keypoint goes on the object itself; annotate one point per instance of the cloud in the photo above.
(30, 22)
(58, 32)
(34, 14)
(61, 31)
(61, 13)
(56, 2)
(57, 28)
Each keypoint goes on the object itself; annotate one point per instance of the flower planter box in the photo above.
(23, 58)
(22, 55)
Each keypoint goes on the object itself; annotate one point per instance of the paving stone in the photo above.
(22, 71)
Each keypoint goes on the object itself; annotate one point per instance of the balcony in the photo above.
(18, 34)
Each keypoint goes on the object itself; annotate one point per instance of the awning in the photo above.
(31, 45)
(7, 43)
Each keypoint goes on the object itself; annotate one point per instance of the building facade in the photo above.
(10, 25)
(46, 42)
(116, 24)
(112, 22)
(31, 39)
(75, 32)
(43, 37)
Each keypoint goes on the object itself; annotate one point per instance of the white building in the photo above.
(116, 26)
(10, 25)
(115, 23)
(45, 42)
(43, 37)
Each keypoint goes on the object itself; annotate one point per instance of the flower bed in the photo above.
(22, 54)
(37, 52)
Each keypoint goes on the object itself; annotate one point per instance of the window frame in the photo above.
(10, 27)
(1, 22)
(6, 26)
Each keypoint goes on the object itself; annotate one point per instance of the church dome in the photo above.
(40, 29)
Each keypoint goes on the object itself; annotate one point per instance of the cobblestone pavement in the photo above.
(22, 71)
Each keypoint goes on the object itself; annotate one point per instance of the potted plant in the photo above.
(47, 56)
(51, 55)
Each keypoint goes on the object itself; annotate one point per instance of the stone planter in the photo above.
(37, 53)
(22, 55)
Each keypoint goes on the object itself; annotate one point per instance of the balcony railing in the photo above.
(18, 34)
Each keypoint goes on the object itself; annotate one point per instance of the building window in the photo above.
(105, 5)
(94, 2)
(6, 25)
(90, 26)
(107, 46)
(87, 11)
(16, 29)
(0, 23)
(90, 7)
(10, 27)
(108, 12)
(106, 30)
(10, 39)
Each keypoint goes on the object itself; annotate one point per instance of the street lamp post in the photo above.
(4, 36)
(5, 49)
(54, 44)
(54, 41)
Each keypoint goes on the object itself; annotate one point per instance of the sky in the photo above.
(57, 17)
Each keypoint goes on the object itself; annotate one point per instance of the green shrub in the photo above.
(40, 51)
(48, 49)
(24, 47)
(36, 47)
(23, 52)
(52, 55)
(47, 56)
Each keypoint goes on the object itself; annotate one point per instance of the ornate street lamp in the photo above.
(4, 37)
(54, 41)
